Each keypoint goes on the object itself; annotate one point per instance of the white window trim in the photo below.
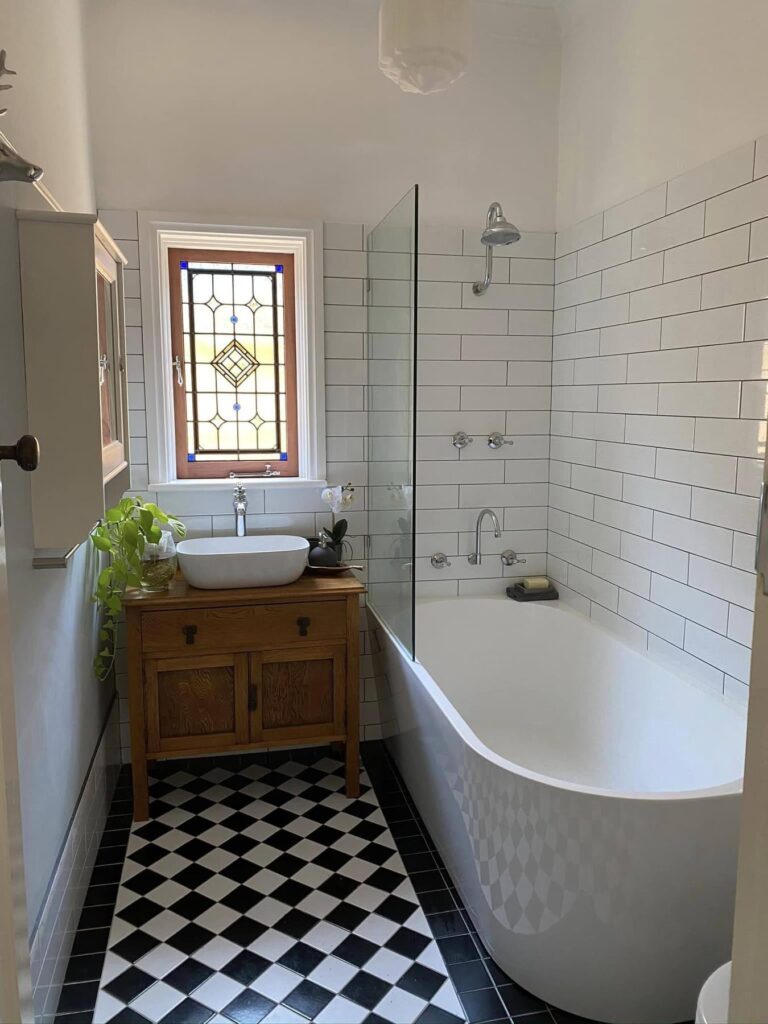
(159, 232)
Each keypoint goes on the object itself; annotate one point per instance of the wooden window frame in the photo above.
(186, 470)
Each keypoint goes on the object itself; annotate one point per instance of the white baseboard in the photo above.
(56, 926)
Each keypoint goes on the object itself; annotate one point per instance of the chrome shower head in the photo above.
(498, 231)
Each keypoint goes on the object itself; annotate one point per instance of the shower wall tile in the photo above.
(669, 231)
(604, 254)
(739, 206)
(501, 369)
(628, 277)
(644, 336)
(653, 488)
(719, 175)
(639, 210)
(715, 252)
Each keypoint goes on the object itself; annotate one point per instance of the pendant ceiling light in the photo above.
(424, 45)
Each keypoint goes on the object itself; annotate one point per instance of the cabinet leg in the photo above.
(353, 767)
(140, 791)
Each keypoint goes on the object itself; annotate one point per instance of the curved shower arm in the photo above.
(479, 287)
(494, 211)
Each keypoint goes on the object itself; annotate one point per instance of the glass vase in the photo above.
(159, 564)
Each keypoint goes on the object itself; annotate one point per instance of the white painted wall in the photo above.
(278, 105)
(653, 88)
(60, 708)
(47, 117)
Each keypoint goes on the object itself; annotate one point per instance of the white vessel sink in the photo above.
(225, 563)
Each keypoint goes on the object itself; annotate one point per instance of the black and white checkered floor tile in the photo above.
(264, 894)
(258, 892)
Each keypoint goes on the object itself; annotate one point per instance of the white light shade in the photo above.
(424, 45)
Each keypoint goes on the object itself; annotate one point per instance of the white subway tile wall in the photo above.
(658, 427)
(484, 365)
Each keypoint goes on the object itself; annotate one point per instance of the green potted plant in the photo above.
(141, 554)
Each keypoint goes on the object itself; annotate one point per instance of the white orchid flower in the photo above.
(333, 497)
(339, 497)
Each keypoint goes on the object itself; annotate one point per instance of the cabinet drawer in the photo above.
(255, 627)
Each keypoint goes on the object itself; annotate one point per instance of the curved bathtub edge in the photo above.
(632, 946)
(472, 739)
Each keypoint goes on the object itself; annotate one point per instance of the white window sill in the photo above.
(226, 485)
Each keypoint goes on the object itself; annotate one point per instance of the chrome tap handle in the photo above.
(497, 440)
(509, 557)
(439, 560)
(461, 439)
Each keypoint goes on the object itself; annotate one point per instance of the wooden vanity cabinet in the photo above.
(216, 671)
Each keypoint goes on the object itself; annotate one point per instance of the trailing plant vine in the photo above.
(123, 534)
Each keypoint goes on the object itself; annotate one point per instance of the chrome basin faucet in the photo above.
(240, 505)
(476, 557)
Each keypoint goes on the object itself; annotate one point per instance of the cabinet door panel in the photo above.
(195, 703)
(298, 692)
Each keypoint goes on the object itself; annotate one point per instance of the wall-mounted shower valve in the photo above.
(439, 560)
(509, 557)
(461, 439)
(497, 440)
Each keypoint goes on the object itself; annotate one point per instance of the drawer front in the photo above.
(243, 628)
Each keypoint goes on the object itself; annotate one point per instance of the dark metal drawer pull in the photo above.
(303, 624)
(189, 632)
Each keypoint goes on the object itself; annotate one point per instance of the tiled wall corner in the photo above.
(57, 923)
(659, 416)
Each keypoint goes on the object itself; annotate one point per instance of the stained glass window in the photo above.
(232, 330)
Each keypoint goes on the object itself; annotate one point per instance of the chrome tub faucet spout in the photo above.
(240, 505)
(476, 557)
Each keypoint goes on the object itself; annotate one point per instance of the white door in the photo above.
(749, 978)
(15, 981)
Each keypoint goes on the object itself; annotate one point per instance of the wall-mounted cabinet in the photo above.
(74, 346)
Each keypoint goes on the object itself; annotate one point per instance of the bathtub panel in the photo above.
(615, 909)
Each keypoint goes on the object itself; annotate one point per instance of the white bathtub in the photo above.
(584, 799)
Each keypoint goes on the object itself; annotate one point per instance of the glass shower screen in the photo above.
(391, 299)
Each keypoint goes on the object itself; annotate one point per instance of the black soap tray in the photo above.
(518, 593)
